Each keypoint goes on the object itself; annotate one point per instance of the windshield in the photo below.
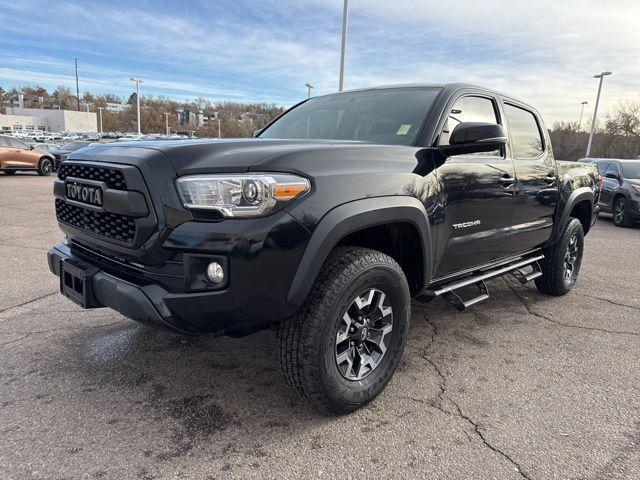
(74, 145)
(391, 116)
(631, 170)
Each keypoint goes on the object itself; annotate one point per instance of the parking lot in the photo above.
(521, 386)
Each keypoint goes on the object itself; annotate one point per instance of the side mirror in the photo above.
(612, 175)
(474, 137)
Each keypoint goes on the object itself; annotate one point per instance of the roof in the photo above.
(451, 87)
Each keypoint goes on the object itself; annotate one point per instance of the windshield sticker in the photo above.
(404, 129)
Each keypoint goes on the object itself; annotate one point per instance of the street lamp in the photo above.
(581, 112)
(595, 110)
(217, 117)
(138, 82)
(166, 122)
(345, 21)
(309, 87)
(100, 110)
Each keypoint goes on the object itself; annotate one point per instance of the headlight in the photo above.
(242, 195)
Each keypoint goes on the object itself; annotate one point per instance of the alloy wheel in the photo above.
(571, 257)
(619, 212)
(364, 329)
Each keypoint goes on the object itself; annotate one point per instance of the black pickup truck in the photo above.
(325, 226)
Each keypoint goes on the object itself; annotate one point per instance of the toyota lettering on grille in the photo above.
(87, 194)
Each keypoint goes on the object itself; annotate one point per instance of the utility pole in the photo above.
(581, 112)
(595, 110)
(77, 85)
(218, 118)
(166, 123)
(100, 110)
(138, 82)
(309, 87)
(345, 21)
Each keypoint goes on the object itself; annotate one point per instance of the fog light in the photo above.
(215, 272)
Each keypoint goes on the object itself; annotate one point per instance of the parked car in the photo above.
(325, 226)
(620, 190)
(51, 148)
(65, 150)
(16, 155)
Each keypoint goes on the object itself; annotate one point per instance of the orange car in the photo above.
(16, 155)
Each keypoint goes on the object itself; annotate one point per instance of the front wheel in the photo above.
(561, 263)
(45, 167)
(620, 213)
(342, 348)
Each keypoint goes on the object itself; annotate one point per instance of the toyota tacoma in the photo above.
(326, 225)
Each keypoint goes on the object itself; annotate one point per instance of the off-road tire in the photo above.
(554, 280)
(45, 167)
(621, 213)
(307, 340)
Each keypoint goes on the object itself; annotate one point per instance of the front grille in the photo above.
(111, 177)
(111, 225)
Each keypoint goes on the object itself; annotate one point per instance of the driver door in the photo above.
(477, 193)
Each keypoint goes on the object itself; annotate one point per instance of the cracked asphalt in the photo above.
(523, 386)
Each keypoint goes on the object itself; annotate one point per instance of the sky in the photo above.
(543, 52)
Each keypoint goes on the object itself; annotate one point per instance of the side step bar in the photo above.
(448, 291)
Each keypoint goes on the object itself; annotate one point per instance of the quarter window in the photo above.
(525, 133)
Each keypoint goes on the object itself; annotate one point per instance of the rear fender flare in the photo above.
(349, 218)
(577, 196)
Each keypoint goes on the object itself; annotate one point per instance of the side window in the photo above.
(613, 168)
(525, 132)
(15, 143)
(602, 167)
(469, 109)
(3, 142)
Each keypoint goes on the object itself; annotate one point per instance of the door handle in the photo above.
(506, 181)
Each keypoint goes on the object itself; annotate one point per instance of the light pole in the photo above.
(138, 82)
(166, 123)
(100, 110)
(309, 87)
(595, 110)
(581, 112)
(218, 118)
(345, 21)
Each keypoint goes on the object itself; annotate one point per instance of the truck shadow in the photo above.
(227, 394)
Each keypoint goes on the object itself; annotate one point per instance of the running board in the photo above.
(448, 291)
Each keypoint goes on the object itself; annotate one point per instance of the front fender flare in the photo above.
(349, 218)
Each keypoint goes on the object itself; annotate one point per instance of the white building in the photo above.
(48, 120)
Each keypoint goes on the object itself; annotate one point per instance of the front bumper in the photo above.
(261, 257)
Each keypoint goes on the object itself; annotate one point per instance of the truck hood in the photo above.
(240, 155)
(232, 155)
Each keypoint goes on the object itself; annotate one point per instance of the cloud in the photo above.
(545, 52)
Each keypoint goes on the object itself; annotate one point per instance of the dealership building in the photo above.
(18, 119)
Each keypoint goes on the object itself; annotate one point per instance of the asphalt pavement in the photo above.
(523, 386)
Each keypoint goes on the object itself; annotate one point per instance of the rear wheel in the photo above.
(344, 345)
(45, 167)
(561, 263)
(620, 213)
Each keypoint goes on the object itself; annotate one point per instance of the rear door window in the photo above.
(526, 136)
